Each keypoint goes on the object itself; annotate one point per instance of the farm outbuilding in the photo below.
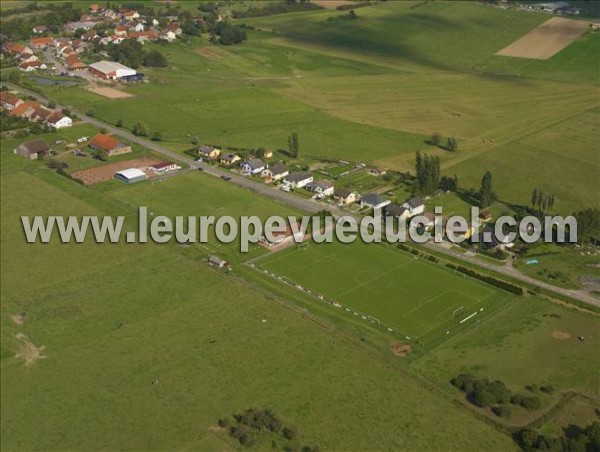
(32, 149)
(111, 70)
(131, 175)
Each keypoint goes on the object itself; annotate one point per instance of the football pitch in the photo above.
(395, 289)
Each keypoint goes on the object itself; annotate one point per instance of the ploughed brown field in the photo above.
(546, 40)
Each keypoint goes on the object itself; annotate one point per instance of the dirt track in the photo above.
(546, 40)
(110, 93)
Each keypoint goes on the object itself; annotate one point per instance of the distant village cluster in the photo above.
(99, 26)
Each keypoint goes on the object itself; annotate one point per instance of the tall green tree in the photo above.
(428, 173)
(486, 193)
(293, 145)
(542, 201)
(452, 144)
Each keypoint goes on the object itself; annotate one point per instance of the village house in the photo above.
(229, 159)
(29, 59)
(397, 211)
(59, 121)
(168, 36)
(17, 50)
(414, 205)
(120, 31)
(74, 63)
(9, 101)
(297, 180)
(41, 43)
(25, 109)
(321, 187)
(32, 149)
(30, 66)
(252, 167)
(85, 25)
(163, 167)
(276, 172)
(41, 114)
(374, 201)
(130, 15)
(174, 27)
(344, 196)
(109, 144)
(209, 152)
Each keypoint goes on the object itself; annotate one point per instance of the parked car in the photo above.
(226, 177)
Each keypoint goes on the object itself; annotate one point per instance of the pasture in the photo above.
(373, 89)
(110, 319)
(531, 342)
(412, 296)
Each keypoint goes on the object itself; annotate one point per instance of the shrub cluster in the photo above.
(488, 279)
(574, 438)
(495, 394)
(248, 425)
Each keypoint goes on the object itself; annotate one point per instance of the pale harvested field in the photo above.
(103, 173)
(546, 40)
(332, 4)
(111, 93)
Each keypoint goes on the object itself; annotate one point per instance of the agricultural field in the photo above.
(412, 297)
(373, 89)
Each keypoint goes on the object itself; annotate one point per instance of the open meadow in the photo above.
(146, 347)
(373, 89)
(87, 328)
(530, 343)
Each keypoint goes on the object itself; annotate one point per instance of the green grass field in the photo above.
(103, 321)
(93, 387)
(412, 296)
(375, 88)
(530, 342)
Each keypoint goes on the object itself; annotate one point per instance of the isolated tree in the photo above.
(140, 129)
(293, 145)
(119, 123)
(156, 136)
(588, 224)
(155, 59)
(428, 173)
(452, 144)
(435, 139)
(195, 140)
(449, 183)
(542, 201)
(486, 194)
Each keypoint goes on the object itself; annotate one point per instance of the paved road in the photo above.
(306, 205)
